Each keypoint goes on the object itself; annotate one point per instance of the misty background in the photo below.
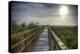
(43, 13)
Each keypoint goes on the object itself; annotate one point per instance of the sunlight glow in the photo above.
(63, 10)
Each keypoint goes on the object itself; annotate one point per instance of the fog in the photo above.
(43, 13)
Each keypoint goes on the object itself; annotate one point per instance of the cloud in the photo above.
(43, 13)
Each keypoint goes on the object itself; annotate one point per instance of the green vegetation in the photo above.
(68, 35)
(17, 28)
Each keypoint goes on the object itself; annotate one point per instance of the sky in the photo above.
(44, 13)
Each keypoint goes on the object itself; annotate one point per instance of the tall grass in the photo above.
(68, 35)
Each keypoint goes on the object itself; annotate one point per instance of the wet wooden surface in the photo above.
(41, 44)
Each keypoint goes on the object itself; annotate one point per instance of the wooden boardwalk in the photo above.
(42, 39)
(41, 44)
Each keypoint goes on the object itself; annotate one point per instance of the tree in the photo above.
(33, 25)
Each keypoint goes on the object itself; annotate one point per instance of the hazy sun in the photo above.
(63, 10)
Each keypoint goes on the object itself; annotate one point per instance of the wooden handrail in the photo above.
(21, 33)
(57, 39)
(28, 43)
(13, 46)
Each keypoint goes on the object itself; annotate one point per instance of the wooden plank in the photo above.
(13, 46)
(21, 33)
(22, 49)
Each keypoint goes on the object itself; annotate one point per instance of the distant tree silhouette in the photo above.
(32, 25)
(17, 28)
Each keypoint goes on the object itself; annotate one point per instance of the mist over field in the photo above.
(44, 14)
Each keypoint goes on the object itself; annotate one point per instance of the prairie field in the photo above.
(68, 35)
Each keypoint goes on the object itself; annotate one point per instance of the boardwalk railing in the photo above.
(22, 40)
(54, 42)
